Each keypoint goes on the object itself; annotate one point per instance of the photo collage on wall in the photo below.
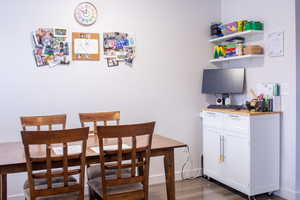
(118, 48)
(51, 47)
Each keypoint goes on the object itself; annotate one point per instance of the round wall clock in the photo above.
(85, 14)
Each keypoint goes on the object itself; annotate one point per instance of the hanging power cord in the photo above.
(188, 160)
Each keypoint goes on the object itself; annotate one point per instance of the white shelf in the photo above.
(219, 60)
(239, 34)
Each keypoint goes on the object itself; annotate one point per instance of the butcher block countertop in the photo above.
(239, 112)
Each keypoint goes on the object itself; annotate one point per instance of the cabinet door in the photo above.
(237, 161)
(211, 153)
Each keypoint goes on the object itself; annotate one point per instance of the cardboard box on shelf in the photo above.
(253, 49)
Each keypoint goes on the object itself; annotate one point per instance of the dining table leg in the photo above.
(170, 174)
(3, 186)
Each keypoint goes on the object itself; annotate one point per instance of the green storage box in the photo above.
(254, 26)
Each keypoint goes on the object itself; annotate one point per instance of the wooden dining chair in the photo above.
(136, 157)
(48, 121)
(59, 162)
(95, 119)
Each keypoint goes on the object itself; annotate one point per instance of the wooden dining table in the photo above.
(12, 160)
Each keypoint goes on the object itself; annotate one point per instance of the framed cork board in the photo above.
(85, 46)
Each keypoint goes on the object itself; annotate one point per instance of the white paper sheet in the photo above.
(275, 44)
(86, 46)
(72, 149)
(110, 147)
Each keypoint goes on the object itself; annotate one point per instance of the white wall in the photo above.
(163, 85)
(297, 8)
(278, 15)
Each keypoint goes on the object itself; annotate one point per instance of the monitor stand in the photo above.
(226, 105)
(224, 97)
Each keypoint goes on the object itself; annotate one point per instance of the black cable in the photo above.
(185, 164)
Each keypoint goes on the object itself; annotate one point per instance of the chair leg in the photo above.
(146, 192)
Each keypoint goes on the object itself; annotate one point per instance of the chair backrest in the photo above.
(103, 117)
(135, 156)
(48, 161)
(48, 120)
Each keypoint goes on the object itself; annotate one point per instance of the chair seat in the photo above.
(96, 186)
(38, 182)
(65, 196)
(94, 171)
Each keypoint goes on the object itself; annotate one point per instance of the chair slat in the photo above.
(55, 158)
(65, 163)
(82, 167)
(133, 160)
(56, 174)
(124, 166)
(98, 117)
(95, 127)
(54, 137)
(124, 181)
(39, 121)
(49, 170)
(59, 190)
(119, 157)
(125, 130)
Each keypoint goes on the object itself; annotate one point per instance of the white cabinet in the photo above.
(212, 150)
(237, 161)
(242, 150)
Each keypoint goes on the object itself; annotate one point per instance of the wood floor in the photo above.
(201, 189)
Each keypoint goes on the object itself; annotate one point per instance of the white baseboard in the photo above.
(160, 178)
(153, 179)
(16, 197)
(289, 194)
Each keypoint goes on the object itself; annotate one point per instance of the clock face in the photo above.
(85, 14)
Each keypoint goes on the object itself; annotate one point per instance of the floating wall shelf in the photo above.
(239, 34)
(220, 60)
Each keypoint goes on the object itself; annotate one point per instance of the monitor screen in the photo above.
(223, 81)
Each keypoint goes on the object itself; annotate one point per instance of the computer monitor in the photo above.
(223, 81)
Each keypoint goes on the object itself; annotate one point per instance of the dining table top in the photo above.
(12, 153)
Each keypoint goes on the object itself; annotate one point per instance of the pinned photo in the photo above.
(119, 47)
(50, 46)
(112, 62)
(109, 53)
(129, 55)
(121, 55)
(60, 32)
